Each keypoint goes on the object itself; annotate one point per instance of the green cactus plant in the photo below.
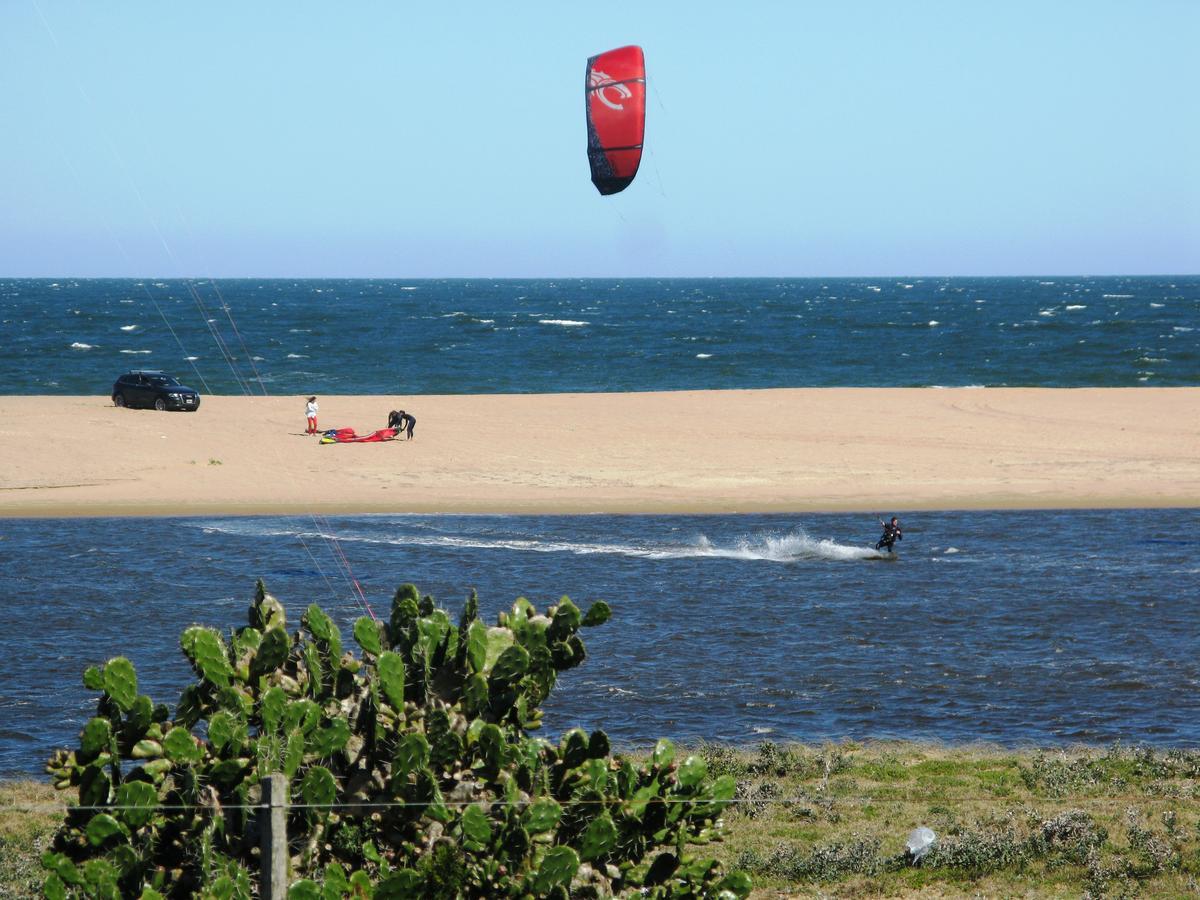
(412, 769)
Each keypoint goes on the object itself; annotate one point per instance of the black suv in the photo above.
(149, 387)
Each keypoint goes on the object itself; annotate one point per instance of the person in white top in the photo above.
(310, 413)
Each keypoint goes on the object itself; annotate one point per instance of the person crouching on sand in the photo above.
(310, 413)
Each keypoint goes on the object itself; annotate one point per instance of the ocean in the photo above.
(405, 337)
(1021, 628)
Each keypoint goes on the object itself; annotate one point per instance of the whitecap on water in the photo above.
(80, 345)
(567, 323)
(793, 546)
(128, 327)
(703, 356)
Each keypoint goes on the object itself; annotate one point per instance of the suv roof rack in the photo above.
(145, 372)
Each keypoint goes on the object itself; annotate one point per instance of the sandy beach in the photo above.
(801, 450)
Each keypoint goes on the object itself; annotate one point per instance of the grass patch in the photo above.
(831, 821)
(25, 833)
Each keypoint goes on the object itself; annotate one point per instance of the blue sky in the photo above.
(401, 139)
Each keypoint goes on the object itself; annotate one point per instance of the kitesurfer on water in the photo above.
(891, 534)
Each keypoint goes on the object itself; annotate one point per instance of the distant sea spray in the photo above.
(465, 336)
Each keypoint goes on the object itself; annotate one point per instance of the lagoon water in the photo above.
(456, 336)
(1013, 627)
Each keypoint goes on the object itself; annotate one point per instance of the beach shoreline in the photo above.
(865, 450)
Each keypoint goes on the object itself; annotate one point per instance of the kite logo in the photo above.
(599, 78)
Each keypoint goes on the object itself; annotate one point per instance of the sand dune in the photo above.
(873, 450)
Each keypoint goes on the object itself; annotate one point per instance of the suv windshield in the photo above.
(163, 381)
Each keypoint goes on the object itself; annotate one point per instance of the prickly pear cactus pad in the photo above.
(412, 767)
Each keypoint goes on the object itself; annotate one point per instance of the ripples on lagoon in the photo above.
(1014, 627)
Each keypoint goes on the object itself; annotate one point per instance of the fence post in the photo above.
(274, 838)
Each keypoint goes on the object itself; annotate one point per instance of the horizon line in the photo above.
(587, 277)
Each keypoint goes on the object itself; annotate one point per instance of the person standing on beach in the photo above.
(310, 413)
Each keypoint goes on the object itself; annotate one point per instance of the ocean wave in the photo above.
(80, 345)
(566, 323)
(128, 327)
(703, 356)
(137, 352)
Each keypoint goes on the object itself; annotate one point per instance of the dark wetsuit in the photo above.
(891, 534)
(402, 421)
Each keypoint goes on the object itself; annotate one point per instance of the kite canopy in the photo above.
(616, 116)
(347, 436)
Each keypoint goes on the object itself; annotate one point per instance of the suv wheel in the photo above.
(160, 404)
(119, 400)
